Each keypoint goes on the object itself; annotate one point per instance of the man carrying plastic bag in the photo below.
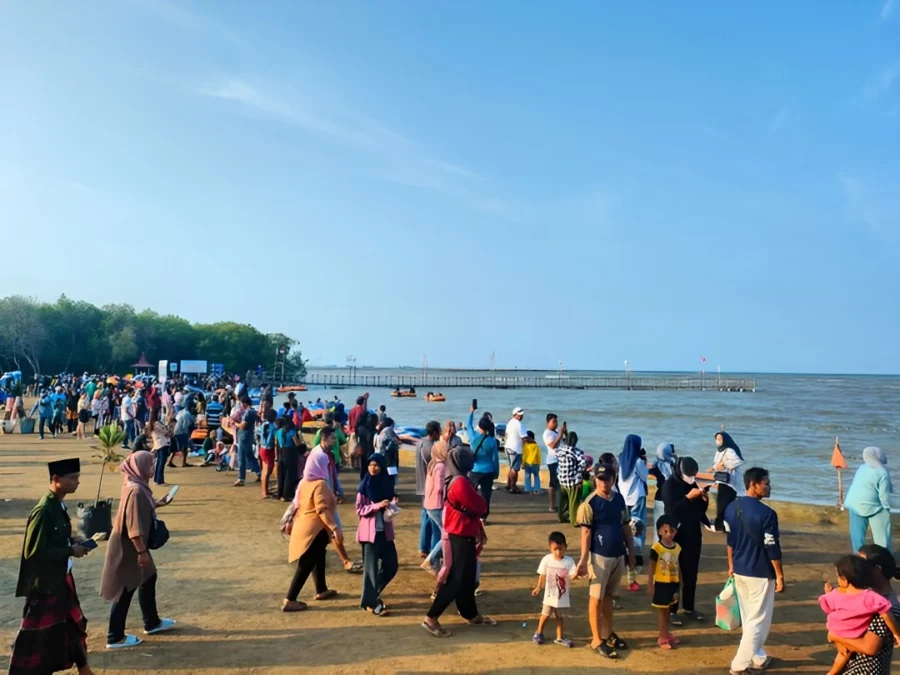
(754, 564)
(728, 609)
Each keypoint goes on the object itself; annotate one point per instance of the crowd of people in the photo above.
(456, 472)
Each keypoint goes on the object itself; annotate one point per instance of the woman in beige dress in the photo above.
(314, 525)
(129, 565)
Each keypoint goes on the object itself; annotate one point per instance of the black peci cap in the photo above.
(63, 467)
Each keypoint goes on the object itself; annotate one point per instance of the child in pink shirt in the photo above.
(852, 606)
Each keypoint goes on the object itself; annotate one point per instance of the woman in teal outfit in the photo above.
(869, 501)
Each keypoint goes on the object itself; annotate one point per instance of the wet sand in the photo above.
(224, 573)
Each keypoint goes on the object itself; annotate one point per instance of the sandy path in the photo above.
(224, 573)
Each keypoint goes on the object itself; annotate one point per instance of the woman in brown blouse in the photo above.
(129, 565)
(313, 527)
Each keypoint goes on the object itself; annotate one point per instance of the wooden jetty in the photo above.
(611, 382)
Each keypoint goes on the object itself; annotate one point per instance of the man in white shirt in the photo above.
(126, 414)
(552, 439)
(512, 443)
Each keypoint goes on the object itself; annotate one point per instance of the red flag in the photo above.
(837, 457)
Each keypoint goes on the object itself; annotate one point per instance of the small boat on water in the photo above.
(411, 393)
(435, 398)
(291, 387)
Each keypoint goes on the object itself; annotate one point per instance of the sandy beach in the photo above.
(225, 571)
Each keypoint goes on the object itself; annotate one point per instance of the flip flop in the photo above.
(294, 606)
(435, 629)
(664, 643)
(327, 595)
(378, 610)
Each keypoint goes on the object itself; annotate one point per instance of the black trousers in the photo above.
(119, 612)
(485, 482)
(313, 560)
(460, 586)
(287, 473)
(724, 496)
(380, 567)
(689, 562)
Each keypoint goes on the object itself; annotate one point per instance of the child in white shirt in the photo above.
(556, 573)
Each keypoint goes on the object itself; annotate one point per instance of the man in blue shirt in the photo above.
(245, 433)
(606, 539)
(754, 560)
(44, 404)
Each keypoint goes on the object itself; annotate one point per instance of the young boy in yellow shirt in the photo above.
(531, 463)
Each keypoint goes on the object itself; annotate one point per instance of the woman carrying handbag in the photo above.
(129, 567)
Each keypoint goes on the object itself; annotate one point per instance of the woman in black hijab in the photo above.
(686, 503)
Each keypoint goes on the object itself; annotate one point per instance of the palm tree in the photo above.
(110, 437)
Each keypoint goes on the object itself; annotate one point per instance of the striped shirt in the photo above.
(213, 414)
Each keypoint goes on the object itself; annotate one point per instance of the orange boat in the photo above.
(435, 398)
(291, 387)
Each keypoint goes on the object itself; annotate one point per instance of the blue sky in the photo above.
(582, 181)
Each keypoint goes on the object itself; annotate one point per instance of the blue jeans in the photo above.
(162, 456)
(426, 533)
(437, 549)
(246, 460)
(129, 433)
(881, 529)
(532, 475)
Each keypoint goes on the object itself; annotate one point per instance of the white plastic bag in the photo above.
(728, 611)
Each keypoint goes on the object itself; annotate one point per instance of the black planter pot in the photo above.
(95, 518)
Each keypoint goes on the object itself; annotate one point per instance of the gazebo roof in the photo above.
(142, 362)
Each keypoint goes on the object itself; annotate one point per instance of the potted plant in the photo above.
(98, 518)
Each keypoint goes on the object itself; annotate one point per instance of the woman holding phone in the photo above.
(687, 502)
(129, 567)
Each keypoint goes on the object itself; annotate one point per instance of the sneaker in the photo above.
(537, 639)
(763, 665)
(675, 620)
(127, 643)
(238, 483)
(564, 642)
(164, 625)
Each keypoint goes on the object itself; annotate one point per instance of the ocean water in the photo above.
(788, 425)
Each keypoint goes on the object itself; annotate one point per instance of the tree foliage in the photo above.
(76, 336)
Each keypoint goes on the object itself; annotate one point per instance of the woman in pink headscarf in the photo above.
(129, 565)
(313, 527)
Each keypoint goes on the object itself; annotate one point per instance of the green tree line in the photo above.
(76, 336)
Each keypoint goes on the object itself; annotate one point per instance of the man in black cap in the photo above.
(53, 634)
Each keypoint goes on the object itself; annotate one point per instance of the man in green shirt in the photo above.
(53, 634)
(340, 438)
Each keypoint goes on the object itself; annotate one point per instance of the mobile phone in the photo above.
(474, 404)
(89, 544)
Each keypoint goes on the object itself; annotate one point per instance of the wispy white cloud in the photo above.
(185, 20)
(401, 159)
(714, 133)
(887, 9)
(779, 120)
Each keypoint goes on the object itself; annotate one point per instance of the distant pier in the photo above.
(621, 383)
